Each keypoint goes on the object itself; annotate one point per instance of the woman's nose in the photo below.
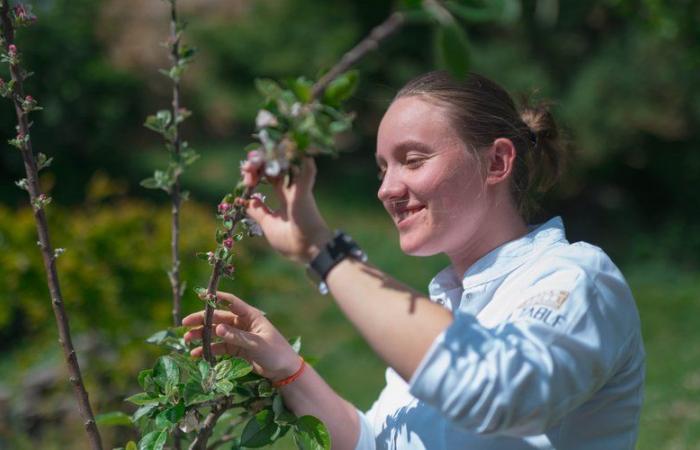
(391, 187)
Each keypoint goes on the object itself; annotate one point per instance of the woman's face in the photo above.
(432, 185)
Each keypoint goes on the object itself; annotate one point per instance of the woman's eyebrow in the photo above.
(405, 146)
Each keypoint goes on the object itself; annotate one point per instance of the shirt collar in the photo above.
(502, 259)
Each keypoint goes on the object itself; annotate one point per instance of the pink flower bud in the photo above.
(29, 99)
(228, 270)
(12, 49)
(224, 208)
(228, 242)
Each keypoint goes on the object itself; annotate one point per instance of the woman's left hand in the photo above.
(246, 333)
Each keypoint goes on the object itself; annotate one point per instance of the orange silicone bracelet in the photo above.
(292, 377)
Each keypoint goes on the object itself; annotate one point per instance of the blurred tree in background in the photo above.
(623, 74)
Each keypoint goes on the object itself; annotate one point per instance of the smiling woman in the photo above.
(525, 341)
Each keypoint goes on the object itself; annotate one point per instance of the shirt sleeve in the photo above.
(520, 377)
(366, 439)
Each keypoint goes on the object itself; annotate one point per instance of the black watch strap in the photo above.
(335, 250)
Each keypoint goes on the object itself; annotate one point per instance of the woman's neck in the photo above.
(501, 225)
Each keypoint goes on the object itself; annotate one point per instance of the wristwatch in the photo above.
(335, 250)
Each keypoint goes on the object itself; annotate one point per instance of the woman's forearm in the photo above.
(311, 395)
(399, 323)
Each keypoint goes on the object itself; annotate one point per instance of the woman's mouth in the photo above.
(403, 215)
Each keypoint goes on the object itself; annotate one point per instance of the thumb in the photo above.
(259, 211)
(234, 336)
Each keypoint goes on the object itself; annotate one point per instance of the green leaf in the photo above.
(452, 50)
(143, 411)
(155, 440)
(265, 389)
(143, 398)
(150, 183)
(260, 430)
(170, 416)
(341, 88)
(224, 387)
(301, 88)
(222, 369)
(201, 292)
(146, 382)
(268, 88)
(157, 338)
(166, 371)
(113, 418)
(42, 161)
(239, 368)
(189, 156)
(311, 434)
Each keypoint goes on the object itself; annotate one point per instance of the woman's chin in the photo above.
(415, 247)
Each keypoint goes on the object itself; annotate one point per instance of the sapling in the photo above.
(12, 17)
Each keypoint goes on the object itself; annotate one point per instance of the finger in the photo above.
(250, 173)
(220, 316)
(196, 333)
(261, 213)
(307, 175)
(218, 348)
(236, 337)
(236, 305)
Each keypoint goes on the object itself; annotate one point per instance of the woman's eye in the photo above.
(414, 163)
(380, 174)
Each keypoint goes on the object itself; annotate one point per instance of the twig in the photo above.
(47, 252)
(371, 42)
(176, 197)
(200, 442)
(214, 283)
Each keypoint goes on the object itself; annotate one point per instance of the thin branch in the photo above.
(214, 281)
(378, 34)
(200, 442)
(47, 252)
(176, 197)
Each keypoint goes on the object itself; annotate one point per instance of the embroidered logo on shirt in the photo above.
(542, 314)
(551, 299)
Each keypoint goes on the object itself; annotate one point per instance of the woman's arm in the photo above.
(399, 323)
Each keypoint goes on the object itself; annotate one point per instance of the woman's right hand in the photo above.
(246, 333)
(296, 229)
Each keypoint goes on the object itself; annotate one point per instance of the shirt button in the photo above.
(440, 301)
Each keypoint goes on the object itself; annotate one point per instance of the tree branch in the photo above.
(371, 42)
(47, 252)
(200, 442)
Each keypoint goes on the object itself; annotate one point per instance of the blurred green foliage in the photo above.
(624, 77)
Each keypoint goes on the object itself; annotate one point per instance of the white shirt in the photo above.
(545, 352)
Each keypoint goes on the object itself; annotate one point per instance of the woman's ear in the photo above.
(500, 160)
